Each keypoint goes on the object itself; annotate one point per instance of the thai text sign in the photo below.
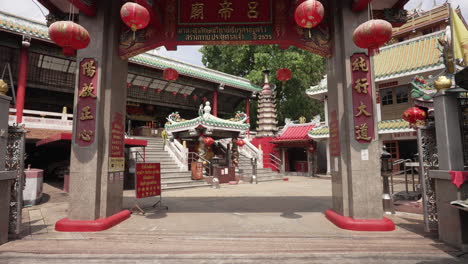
(117, 138)
(363, 107)
(85, 128)
(148, 180)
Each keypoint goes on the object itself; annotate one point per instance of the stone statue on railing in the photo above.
(175, 118)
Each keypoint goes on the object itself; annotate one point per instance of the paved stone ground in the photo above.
(273, 222)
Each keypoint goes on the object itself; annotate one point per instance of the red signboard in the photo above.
(334, 134)
(85, 129)
(228, 22)
(363, 106)
(148, 180)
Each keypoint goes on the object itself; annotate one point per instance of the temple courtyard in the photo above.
(272, 222)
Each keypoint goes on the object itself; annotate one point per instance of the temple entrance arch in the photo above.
(354, 154)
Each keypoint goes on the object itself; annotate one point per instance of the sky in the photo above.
(190, 54)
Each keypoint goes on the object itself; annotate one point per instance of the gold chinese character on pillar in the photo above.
(360, 64)
(86, 114)
(87, 91)
(86, 135)
(362, 110)
(89, 69)
(226, 9)
(197, 11)
(361, 85)
(362, 132)
(252, 13)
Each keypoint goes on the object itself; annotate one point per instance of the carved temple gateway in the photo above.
(175, 23)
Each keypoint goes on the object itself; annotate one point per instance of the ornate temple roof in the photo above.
(407, 58)
(384, 127)
(294, 132)
(206, 120)
(37, 30)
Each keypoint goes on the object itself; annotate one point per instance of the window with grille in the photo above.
(386, 95)
(401, 94)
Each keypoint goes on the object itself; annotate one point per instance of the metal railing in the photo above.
(405, 170)
(274, 161)
(195, 157)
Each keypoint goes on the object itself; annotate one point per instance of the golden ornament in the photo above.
(442, 83)
(3, 87)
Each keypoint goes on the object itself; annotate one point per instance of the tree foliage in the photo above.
(249, 62)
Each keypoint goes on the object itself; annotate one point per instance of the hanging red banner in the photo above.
(363, 107)
(148, 180)
(85, 118)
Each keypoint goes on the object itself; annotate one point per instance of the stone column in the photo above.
(450, 153)
(356, 181)
(247, 109)
(93, 194)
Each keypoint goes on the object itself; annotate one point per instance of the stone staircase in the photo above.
(171, 176)
(263, 174)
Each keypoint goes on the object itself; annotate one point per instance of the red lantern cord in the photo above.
(208, 141)
(69, 35)
(170, 74)
(372, 34)
(134, 16)
(309, 14)
(283, 74)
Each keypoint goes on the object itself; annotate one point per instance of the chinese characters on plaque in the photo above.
(334, 134)
(148, 180)
(362, 98)
(216, 11)
(86, 106)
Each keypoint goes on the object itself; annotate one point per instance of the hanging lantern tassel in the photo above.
(135, 16)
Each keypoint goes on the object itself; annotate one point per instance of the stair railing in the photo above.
(395, 163)
(178, 152)
(274, 162)
(195, 157)
(250, 151)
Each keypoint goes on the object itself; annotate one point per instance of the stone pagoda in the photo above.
(266, 111)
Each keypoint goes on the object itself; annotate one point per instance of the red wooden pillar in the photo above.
(215, 103)
(247, 109)
(22, 77)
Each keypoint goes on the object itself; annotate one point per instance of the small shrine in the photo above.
(202, 138)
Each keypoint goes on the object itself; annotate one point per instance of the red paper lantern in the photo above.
(170, 74)
(283, 74)
(309, 14)
(185, 95)
(414, 114)
(205, 99)
(129, 85)
(240, 142)
(195, 97)
(372, 34)
(359, 5)
(69, 35)
(144, 88)
(158, 91)
(174, 93)
(208, 141)
(134, 16)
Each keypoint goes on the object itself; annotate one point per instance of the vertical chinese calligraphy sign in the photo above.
(85, 128)
(148, 180)
(334, 134)
(117, 141)
(363, 107)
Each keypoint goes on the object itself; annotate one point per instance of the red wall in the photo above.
(267, 148)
